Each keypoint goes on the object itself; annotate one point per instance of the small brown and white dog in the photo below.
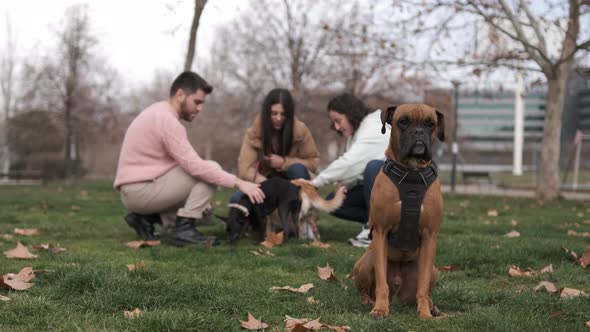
(295, 202)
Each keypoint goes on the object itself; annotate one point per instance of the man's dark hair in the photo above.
(352, 107)
(283, 97)
(190, 82)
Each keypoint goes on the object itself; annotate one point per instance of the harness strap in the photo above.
(412, 186)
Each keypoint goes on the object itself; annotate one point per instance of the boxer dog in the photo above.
(405, 214)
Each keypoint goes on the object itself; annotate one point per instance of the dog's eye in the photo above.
(430, 124)
(403, 122)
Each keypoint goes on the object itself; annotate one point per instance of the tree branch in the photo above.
(535, 25)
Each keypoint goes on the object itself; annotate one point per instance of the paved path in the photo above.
(493, 190)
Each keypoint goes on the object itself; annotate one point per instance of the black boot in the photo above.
(184, 232)
(143, 224)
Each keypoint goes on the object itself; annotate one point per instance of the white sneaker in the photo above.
(359, 243)
(364, 234)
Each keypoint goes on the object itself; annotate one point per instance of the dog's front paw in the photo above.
(424, 310)
(379, 312)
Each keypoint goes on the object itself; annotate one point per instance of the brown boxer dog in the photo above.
(405, 214)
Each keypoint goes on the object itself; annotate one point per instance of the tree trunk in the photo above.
(190, 54)
(548, 176)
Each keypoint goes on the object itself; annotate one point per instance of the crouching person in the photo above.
(160, 175)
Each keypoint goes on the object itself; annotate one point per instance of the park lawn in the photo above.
(211, 289)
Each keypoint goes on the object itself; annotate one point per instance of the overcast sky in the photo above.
(136, 36)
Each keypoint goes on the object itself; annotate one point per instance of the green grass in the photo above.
(209, 289)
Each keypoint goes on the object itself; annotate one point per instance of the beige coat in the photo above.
(303, 151)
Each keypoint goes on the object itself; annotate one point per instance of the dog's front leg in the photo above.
(425, 273)
(379, 242)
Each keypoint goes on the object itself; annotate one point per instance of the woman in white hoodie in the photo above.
(358, 166)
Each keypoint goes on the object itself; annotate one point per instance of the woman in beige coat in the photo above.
(277, 143)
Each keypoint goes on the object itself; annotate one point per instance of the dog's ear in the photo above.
(386, 117)
(224, 219)
(440, 125)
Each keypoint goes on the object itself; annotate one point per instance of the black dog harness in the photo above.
(412, 186)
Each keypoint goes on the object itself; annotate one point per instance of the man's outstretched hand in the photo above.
(251, 189)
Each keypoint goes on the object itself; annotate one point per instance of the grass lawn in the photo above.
(210, 289)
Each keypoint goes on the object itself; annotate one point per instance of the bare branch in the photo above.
(535, 25)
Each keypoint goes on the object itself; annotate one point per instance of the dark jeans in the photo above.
(295, 171)
(357, 202)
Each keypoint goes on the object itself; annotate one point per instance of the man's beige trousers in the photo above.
(174, 193)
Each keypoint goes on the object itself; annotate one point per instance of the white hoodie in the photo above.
(365, 145)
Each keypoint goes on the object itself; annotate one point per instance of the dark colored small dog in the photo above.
(280, 194)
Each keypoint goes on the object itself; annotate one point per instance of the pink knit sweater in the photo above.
(156, 142)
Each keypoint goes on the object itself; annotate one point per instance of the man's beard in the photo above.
(184, 114)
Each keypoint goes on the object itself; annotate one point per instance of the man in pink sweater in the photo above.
(160, 174)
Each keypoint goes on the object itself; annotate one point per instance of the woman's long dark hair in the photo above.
(283, 97)
(352, 107)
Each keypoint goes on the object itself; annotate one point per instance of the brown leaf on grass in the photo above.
(4, 298)
(580, 215)
(311, 300)
(18, 281)
(492, 213)
(512, 234)
(513, 222)
(448, 268)
(319, 244)
(570, 253)
(587, 222)
(273, 239)
(6, 236)
(260, 252)
(302, 289)
(568, 293)
(84, 194)
(252, 323)
(142, 243)
(587, 324)
(464, 204)
(585, 258)
(49, 247)
(556, 314)
(574, 233)
(26, 231)
(303, 325)
(137, 267)
(515, 271)
(75, 208)
(255, 253)
(132, 314)
(19, 252)
(548, 286)
(327, 273)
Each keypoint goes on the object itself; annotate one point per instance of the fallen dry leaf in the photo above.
(302, 289)
(492, 213)
(75, 208)
(570, 253)
(252, 323)
(273, 239)
(513, 222)
(587, 222)
(585, 258)
(142, 243)
(515, 271)
(574, 233)
(19, 252)
(568, 293)
(261, 252)
(311, 300)
(327, 273)
(580, 215)
(4, 298)
(49, 247)
(448, 268)
(319, 244)
(303, 324)
(132, 314)
(464, 204)
(512, 234)
(548, 286)
(18, 281)
(137, 267)
(506, 207)
(26, 231)
(255, 253)
(556, 314)
(6, 236)
(587, 323)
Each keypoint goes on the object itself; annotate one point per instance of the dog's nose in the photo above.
(418, 131)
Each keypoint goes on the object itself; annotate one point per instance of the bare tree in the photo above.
(7, 86)
(190, 54)
(543, 37)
